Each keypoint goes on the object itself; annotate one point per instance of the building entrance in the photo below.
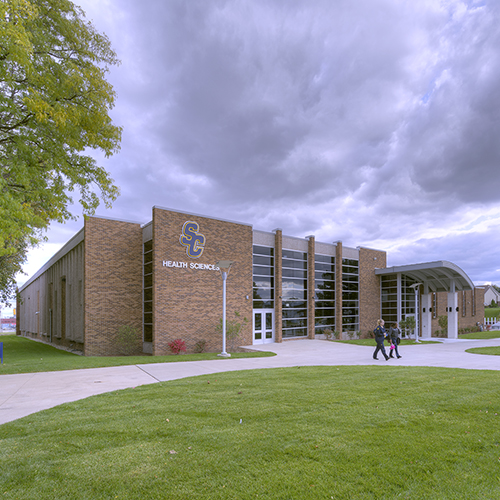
(263, 326)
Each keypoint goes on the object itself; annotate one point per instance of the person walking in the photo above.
(395, 338)
(380, 335)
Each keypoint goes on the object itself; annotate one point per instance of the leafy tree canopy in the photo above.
(54, 107)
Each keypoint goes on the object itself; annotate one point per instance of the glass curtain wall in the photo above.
(263, 277)
(350, 295)
(389, 298)
(294, 290)
(324, 292)
(147, 286)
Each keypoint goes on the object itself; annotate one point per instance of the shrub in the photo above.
(200, 346)
(127, 340)
(233, 327)
(443, 323)
(328, 334)
(177, 346)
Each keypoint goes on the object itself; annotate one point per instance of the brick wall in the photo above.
(187, 301)
(469, 319)
(113, 284)
(278, 286)
(369, 287)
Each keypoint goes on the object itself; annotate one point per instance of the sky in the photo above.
(373, 122)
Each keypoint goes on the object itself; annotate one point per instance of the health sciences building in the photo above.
(161, 280)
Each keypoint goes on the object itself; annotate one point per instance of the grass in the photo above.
(295, 433)
(492, 351)
(491, 312)
(22, 355)
(481, 335)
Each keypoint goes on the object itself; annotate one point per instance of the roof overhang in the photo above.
(438, 276)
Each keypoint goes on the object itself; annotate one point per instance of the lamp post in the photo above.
(415, 289)
(224, 267)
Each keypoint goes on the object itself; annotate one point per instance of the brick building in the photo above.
(160, 281)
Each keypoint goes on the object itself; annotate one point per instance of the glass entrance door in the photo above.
(263, 326)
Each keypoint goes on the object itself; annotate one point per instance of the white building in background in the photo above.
(491, 293)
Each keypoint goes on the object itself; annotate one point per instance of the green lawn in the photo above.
(495, 334)
(345, 432)
(491, 312)
(492, 351)
(22, 355)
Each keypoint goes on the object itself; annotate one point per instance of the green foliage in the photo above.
(200, 346)
(128, 340)
(22, 355)
(434, 434)
(54, 105)
(443, 322)
(233, 325)
(408, 325)
(492, 312)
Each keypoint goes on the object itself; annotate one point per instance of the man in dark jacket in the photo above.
(379, 338)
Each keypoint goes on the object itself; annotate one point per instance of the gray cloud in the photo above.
(372, 122)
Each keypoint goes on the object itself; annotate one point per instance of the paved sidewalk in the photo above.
(24, 394)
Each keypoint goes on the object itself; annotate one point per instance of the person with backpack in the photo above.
(395, 338)
(380, 335)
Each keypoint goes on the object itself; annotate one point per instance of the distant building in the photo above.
(491, 293)
(8, 323)
(161, 279)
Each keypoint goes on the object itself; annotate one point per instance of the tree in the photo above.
(54, 107)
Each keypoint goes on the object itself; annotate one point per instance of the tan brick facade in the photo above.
(278, 288)
(94, 286)
(113, 284)
(470, 300)
(188, 301)
(369, 287)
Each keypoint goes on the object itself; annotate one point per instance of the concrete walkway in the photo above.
(24, 394)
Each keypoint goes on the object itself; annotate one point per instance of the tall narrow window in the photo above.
(148, 291)
(294, 290)
(350, 295)
(263, 277)
(324, 292)
(389, 298)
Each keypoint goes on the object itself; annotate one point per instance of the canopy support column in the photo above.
(426, 299)
(452, 312)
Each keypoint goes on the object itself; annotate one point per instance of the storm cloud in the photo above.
(373, 122)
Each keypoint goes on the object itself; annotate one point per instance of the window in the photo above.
(324, 292)
(294, 293)
(350, 295)
(147, 300)
(263, 277)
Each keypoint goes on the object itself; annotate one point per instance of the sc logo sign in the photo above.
(192, 239)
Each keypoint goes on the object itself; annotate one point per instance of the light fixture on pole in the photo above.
(415, 289)
(224, 267)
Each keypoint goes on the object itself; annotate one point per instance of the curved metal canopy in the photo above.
(438, 275)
